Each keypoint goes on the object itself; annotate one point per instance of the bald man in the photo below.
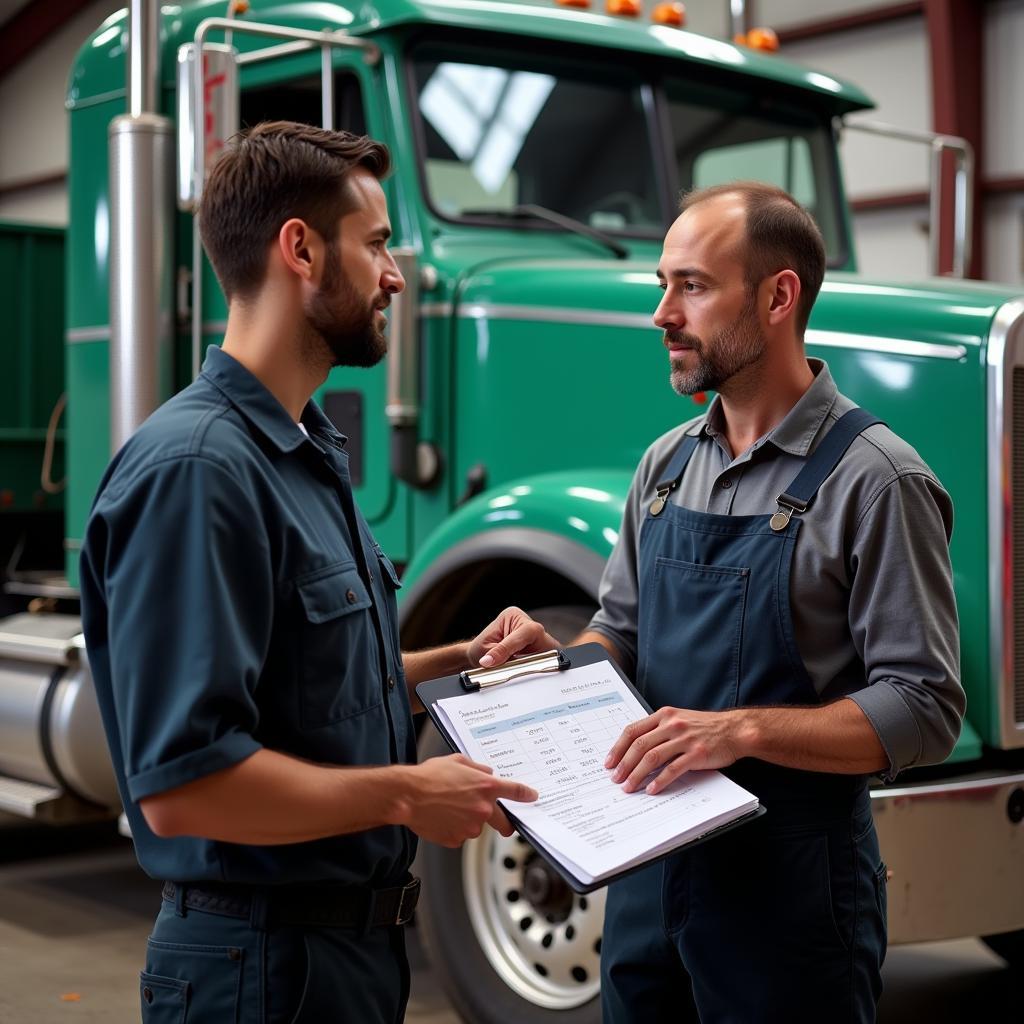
(781, 591)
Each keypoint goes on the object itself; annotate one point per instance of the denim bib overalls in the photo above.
(784, 918)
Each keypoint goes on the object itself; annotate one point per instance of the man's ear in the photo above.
(301, 249)
(783, 297)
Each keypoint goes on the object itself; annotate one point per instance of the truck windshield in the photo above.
(499, 134)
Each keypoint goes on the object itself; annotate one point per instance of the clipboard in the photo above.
(474, 680)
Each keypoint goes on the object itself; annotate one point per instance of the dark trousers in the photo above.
(771, 923)
(225, 970)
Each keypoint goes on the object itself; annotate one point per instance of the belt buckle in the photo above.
(410, 896)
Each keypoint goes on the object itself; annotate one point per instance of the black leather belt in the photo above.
(322, 906)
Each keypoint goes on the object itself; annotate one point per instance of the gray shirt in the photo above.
(871, 589)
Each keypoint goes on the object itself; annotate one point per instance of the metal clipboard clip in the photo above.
(475, 679)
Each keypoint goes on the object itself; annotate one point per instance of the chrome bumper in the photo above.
(956, 856)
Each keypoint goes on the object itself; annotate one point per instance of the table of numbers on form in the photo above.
(555, 747)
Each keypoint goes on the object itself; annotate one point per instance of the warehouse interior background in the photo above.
(923, 74)
(950, 66)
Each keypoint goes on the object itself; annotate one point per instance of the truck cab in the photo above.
(539, 151)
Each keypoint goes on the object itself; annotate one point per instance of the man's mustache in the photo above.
(682, 338)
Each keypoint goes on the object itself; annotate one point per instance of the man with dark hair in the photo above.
(242, 627)
(782, 590)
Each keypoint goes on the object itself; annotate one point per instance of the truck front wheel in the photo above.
(510, 942)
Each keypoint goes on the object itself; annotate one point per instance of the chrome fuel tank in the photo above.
(53, 754)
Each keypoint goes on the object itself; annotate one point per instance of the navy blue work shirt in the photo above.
(228, 606)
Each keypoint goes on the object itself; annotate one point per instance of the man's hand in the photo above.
(673, 740)
(512, 632)
(452, 798)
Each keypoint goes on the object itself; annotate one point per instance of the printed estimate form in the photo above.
(553, 732)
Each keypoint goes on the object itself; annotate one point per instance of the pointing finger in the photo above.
(517, 791)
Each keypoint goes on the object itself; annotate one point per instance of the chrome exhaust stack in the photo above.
(141, 170)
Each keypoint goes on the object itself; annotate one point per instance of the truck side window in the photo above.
(299, 100)
(719, 136)
(784, 161)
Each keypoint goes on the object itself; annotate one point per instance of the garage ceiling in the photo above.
(8, 8)
(24, 26)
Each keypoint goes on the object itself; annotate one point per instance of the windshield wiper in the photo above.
(529, 211)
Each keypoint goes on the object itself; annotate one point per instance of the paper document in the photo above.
(553, 732)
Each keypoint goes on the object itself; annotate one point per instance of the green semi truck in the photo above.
(540, 150)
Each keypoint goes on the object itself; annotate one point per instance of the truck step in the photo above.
(40, 584)
(46, 803)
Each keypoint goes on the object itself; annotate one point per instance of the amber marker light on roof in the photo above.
(763, 39)
(669, 14)
(239, 6)
(624, 8)
(573, 3)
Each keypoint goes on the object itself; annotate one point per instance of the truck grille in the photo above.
(1017, 540)
(1005, 456)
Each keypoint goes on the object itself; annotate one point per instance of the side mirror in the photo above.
(220, 113)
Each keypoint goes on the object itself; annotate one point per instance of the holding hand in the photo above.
(452, 798)
(673, 740)
(512, 632)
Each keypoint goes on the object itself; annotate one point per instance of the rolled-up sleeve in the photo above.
(187, 579)
(904, 624)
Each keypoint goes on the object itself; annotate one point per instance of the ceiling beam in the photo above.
(1007, 185)
(844, 23)
(31, 26)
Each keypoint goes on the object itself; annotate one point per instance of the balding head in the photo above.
(767, 231)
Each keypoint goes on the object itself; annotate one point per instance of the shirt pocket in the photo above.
(390, 583)
(388, 572)
(336, 658)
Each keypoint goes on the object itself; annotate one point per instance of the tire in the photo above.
(1008, 945)
(509, 941)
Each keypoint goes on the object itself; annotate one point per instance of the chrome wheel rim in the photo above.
(542, 939)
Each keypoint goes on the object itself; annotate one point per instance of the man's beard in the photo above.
(725, 354)
(339, 318)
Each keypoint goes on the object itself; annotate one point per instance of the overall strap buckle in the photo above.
(787, 506)
(664, 490)
(674, 473)
(820, 464)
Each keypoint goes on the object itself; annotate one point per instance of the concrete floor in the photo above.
(75, 912)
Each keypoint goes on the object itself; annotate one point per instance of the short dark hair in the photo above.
(268, 174)
(781, 235)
